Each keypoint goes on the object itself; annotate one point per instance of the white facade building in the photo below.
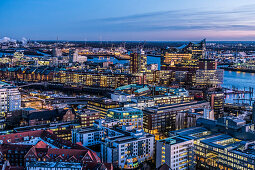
(123, 147)
(10, 98)
(121, 96)
(128, 151)
(176, 152)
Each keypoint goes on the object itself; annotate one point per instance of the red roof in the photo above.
(64, 155)
(19, 137)
(41, 144)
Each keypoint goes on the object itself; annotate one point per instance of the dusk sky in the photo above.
(166, 20)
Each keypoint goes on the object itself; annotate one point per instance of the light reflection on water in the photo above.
(239, 80)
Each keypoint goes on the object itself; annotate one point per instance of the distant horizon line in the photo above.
(143, 40)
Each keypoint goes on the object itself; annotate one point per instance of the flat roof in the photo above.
(174, 140)
(155, 109)
(222, 141)
(124, 109)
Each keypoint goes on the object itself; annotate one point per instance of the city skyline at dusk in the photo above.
(127, 85)
(128, 20)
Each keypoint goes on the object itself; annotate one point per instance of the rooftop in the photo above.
(125, 109)
(174, 140)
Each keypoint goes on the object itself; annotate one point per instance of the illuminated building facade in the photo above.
(172, 59)
(185, 56)
(208, 75)
(123, 147)
(209, 78)
(216, 98)
(171, 96)
(138, 62)
(87, 117)
(176, 152)
(184, 61)
(223, 144)
(10, 98)
(128, 151)
(159, 120)
(70, 78)
(64, 131)
(102, 105)
(127, 116)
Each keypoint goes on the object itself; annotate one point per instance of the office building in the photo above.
(87, 117)
(128, 151)
(138, 62)
(123, 146)
(159, 120)
(10, 98)
(56, 52)
(216, 97)
(227, 143)
(127, 116)
(140, 102)
(176, 152)
(102, 105)
(208, 75)
(94, 135)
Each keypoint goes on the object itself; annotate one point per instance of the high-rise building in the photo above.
(216, 98)
(208, 75)
(10, 98)
(138, 62)
(56, 52)
(176, 152)
(159, 120)
(129, 150)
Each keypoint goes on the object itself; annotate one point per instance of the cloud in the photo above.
(240, 19)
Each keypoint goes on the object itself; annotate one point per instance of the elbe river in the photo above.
(239, 80)
(231, 79)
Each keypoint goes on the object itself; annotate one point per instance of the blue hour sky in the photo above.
(128, 19)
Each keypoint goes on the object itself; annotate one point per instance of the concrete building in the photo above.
(176, 152)
(227, 143)
(56, 52)
(122, 146)
(75, 57)
(119, 96)
(128, 151)
(87, 117)
(140, 102)
(208, 75)
(127, 116)
(159, 120)
(10, 98)
(102, 105)
(94, 135)
(138, 62)
(216, 98)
